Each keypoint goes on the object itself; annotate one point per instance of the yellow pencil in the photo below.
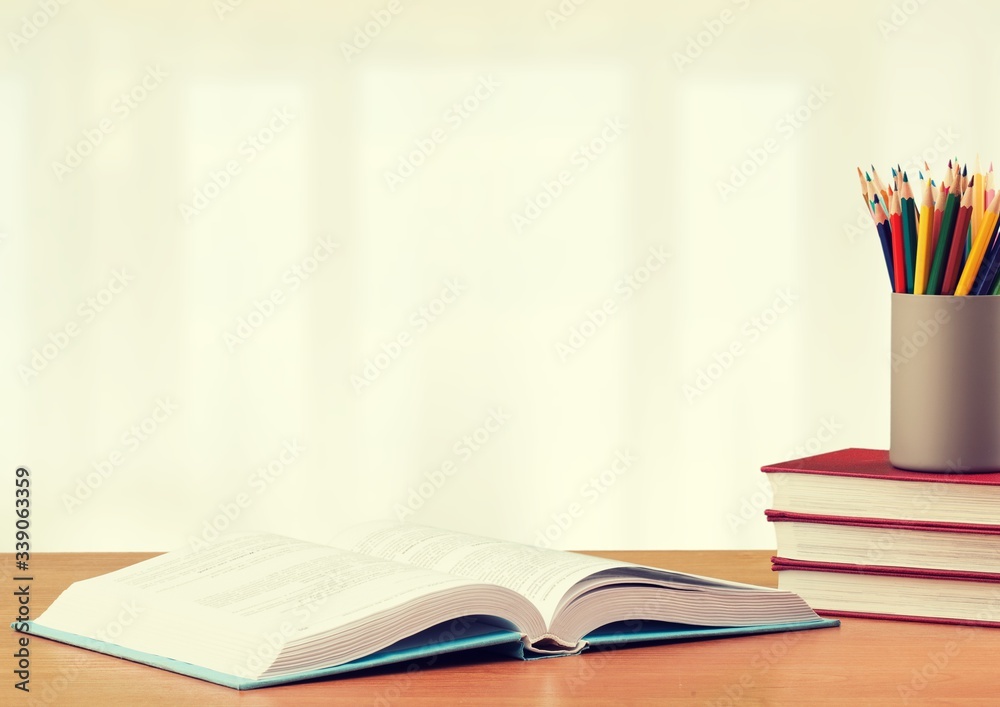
(979, 245)
(978, 198)
(934, 187)
(923, 238)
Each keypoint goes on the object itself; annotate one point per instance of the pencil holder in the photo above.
(945, 414)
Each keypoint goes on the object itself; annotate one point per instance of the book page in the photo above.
(542, 576)
(271, 576)
(239, 587)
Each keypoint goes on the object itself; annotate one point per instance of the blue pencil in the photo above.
(885, 238)
(987, 275)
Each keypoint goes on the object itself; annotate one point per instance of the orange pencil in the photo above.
(864, 192)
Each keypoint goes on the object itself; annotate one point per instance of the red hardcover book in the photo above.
(861, 483)
(876, 592)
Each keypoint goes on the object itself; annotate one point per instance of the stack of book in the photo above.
(859, 537)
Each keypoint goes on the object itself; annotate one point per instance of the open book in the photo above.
(252, 610)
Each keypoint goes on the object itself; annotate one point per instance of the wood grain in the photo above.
(861, 663)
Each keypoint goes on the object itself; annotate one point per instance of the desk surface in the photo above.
(861, 663)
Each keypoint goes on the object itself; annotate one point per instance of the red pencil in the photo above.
(957, 256)
(896, 226)
(942, 197)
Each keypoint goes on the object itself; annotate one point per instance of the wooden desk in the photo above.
(860, 663)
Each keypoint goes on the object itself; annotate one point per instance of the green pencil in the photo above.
(909, 207)
(943, 244)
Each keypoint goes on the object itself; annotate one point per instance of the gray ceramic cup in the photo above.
(945, 383)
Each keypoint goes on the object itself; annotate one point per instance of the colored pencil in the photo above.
(884, 237)
(967, 184)
(873, 196)
(987, 275)
(940, 201)
(908, 205)
(879, 186)
(898, 257)
(944, 240)
(956, 257)
(978, 197)
(923, 239)
(942, 246)
(864, 192)
(979, 245)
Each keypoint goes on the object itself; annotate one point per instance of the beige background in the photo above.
(772, 290)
